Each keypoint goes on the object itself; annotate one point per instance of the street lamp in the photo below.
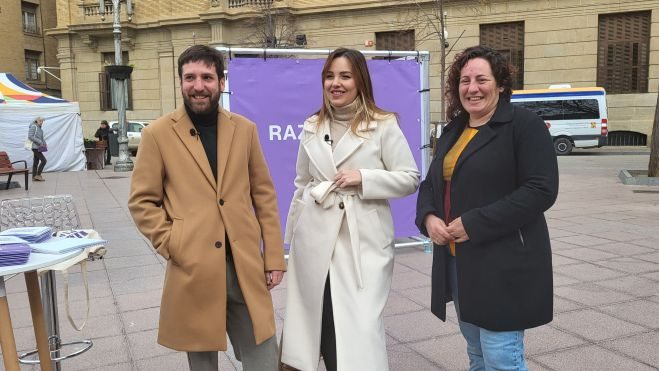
(124, 163)
(45, 69)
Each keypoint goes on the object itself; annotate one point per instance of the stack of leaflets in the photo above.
(65, 245)
(13, 251)
(29, 234)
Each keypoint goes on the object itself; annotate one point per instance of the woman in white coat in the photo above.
(353, 158)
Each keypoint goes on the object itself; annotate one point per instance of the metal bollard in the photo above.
(427, 246)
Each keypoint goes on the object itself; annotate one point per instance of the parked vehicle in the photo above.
(576, 117)
(134, 133)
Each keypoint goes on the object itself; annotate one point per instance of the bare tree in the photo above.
(653, 167)
(428, 18)
(272, 26)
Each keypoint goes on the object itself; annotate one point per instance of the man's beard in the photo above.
(214, 103)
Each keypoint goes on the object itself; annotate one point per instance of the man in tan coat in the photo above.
(202, 193)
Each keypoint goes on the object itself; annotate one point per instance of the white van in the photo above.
(576, 117)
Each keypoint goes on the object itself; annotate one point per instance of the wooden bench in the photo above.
(7, 168)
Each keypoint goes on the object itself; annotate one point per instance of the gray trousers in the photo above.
(262, 357)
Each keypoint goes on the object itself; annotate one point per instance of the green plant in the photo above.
(90, 143)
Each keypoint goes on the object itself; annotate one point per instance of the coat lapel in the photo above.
(182, 126)
(349, 143)
(319, 151)
(484, 136)
(448, 138)
(225, 130)
(486, 133)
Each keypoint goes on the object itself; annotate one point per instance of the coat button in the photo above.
(341, 205)
(218, 244)
(221, 202)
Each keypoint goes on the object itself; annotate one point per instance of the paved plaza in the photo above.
(605, 240)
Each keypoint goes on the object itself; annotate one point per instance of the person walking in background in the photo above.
(202, 193)
(39, 146)
(103, 134)
(353, 158)
(482, 203)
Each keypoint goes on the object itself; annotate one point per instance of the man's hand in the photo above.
(457, 230)
(437, 230)
(273, 278)
(348, 178)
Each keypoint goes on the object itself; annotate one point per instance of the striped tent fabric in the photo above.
(14, 90)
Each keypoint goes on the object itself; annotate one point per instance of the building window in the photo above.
(32, 59)
(623, 52)
(394, 40)
(108, 87)
(29, 15)
(507, 39)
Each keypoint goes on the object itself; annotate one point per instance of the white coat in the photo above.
(348, 233)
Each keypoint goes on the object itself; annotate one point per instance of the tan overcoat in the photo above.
(177, 204)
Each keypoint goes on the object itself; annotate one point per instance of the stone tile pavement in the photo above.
(605, 239)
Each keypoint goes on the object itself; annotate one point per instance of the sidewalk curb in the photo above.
(637, 177)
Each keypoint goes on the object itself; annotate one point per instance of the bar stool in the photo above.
(59, 213)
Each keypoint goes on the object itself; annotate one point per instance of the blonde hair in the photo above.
(366, 110)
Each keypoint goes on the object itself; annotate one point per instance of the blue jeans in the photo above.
(488, 350)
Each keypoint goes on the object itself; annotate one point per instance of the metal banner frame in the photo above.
(422, 57)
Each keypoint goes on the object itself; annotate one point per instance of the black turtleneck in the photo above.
(206, 126)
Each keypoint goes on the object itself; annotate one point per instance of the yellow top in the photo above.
(451, 159)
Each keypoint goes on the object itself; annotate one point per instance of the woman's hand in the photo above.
(348, 178)
(437, 230)
(457, 230)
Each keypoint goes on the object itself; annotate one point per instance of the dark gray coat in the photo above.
(505, 179)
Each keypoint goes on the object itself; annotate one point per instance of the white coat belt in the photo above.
(327, 194)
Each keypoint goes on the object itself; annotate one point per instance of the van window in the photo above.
(573, 109)
(548, 110)
(581, 109)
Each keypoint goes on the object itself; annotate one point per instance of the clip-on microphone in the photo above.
(328, 140)
(194, 132)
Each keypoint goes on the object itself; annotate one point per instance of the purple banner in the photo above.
(279, 94)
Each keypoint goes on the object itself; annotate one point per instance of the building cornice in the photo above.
(316, 6)
(221, 11)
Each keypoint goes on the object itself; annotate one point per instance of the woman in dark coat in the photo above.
(482, 203)
(103, 133)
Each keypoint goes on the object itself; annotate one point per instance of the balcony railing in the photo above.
(241, 3)
(93, 10)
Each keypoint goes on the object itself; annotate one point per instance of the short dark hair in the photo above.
(104, 122)
(206, 54)
(502, 71)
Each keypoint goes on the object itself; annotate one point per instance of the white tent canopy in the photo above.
(20, 105)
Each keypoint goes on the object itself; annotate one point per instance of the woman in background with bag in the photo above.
(35, 134)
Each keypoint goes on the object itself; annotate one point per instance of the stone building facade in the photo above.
(610, 43)
(24, 45)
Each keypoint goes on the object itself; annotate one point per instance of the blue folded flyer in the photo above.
(14, 253)
(29, 234)
(65, 245)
